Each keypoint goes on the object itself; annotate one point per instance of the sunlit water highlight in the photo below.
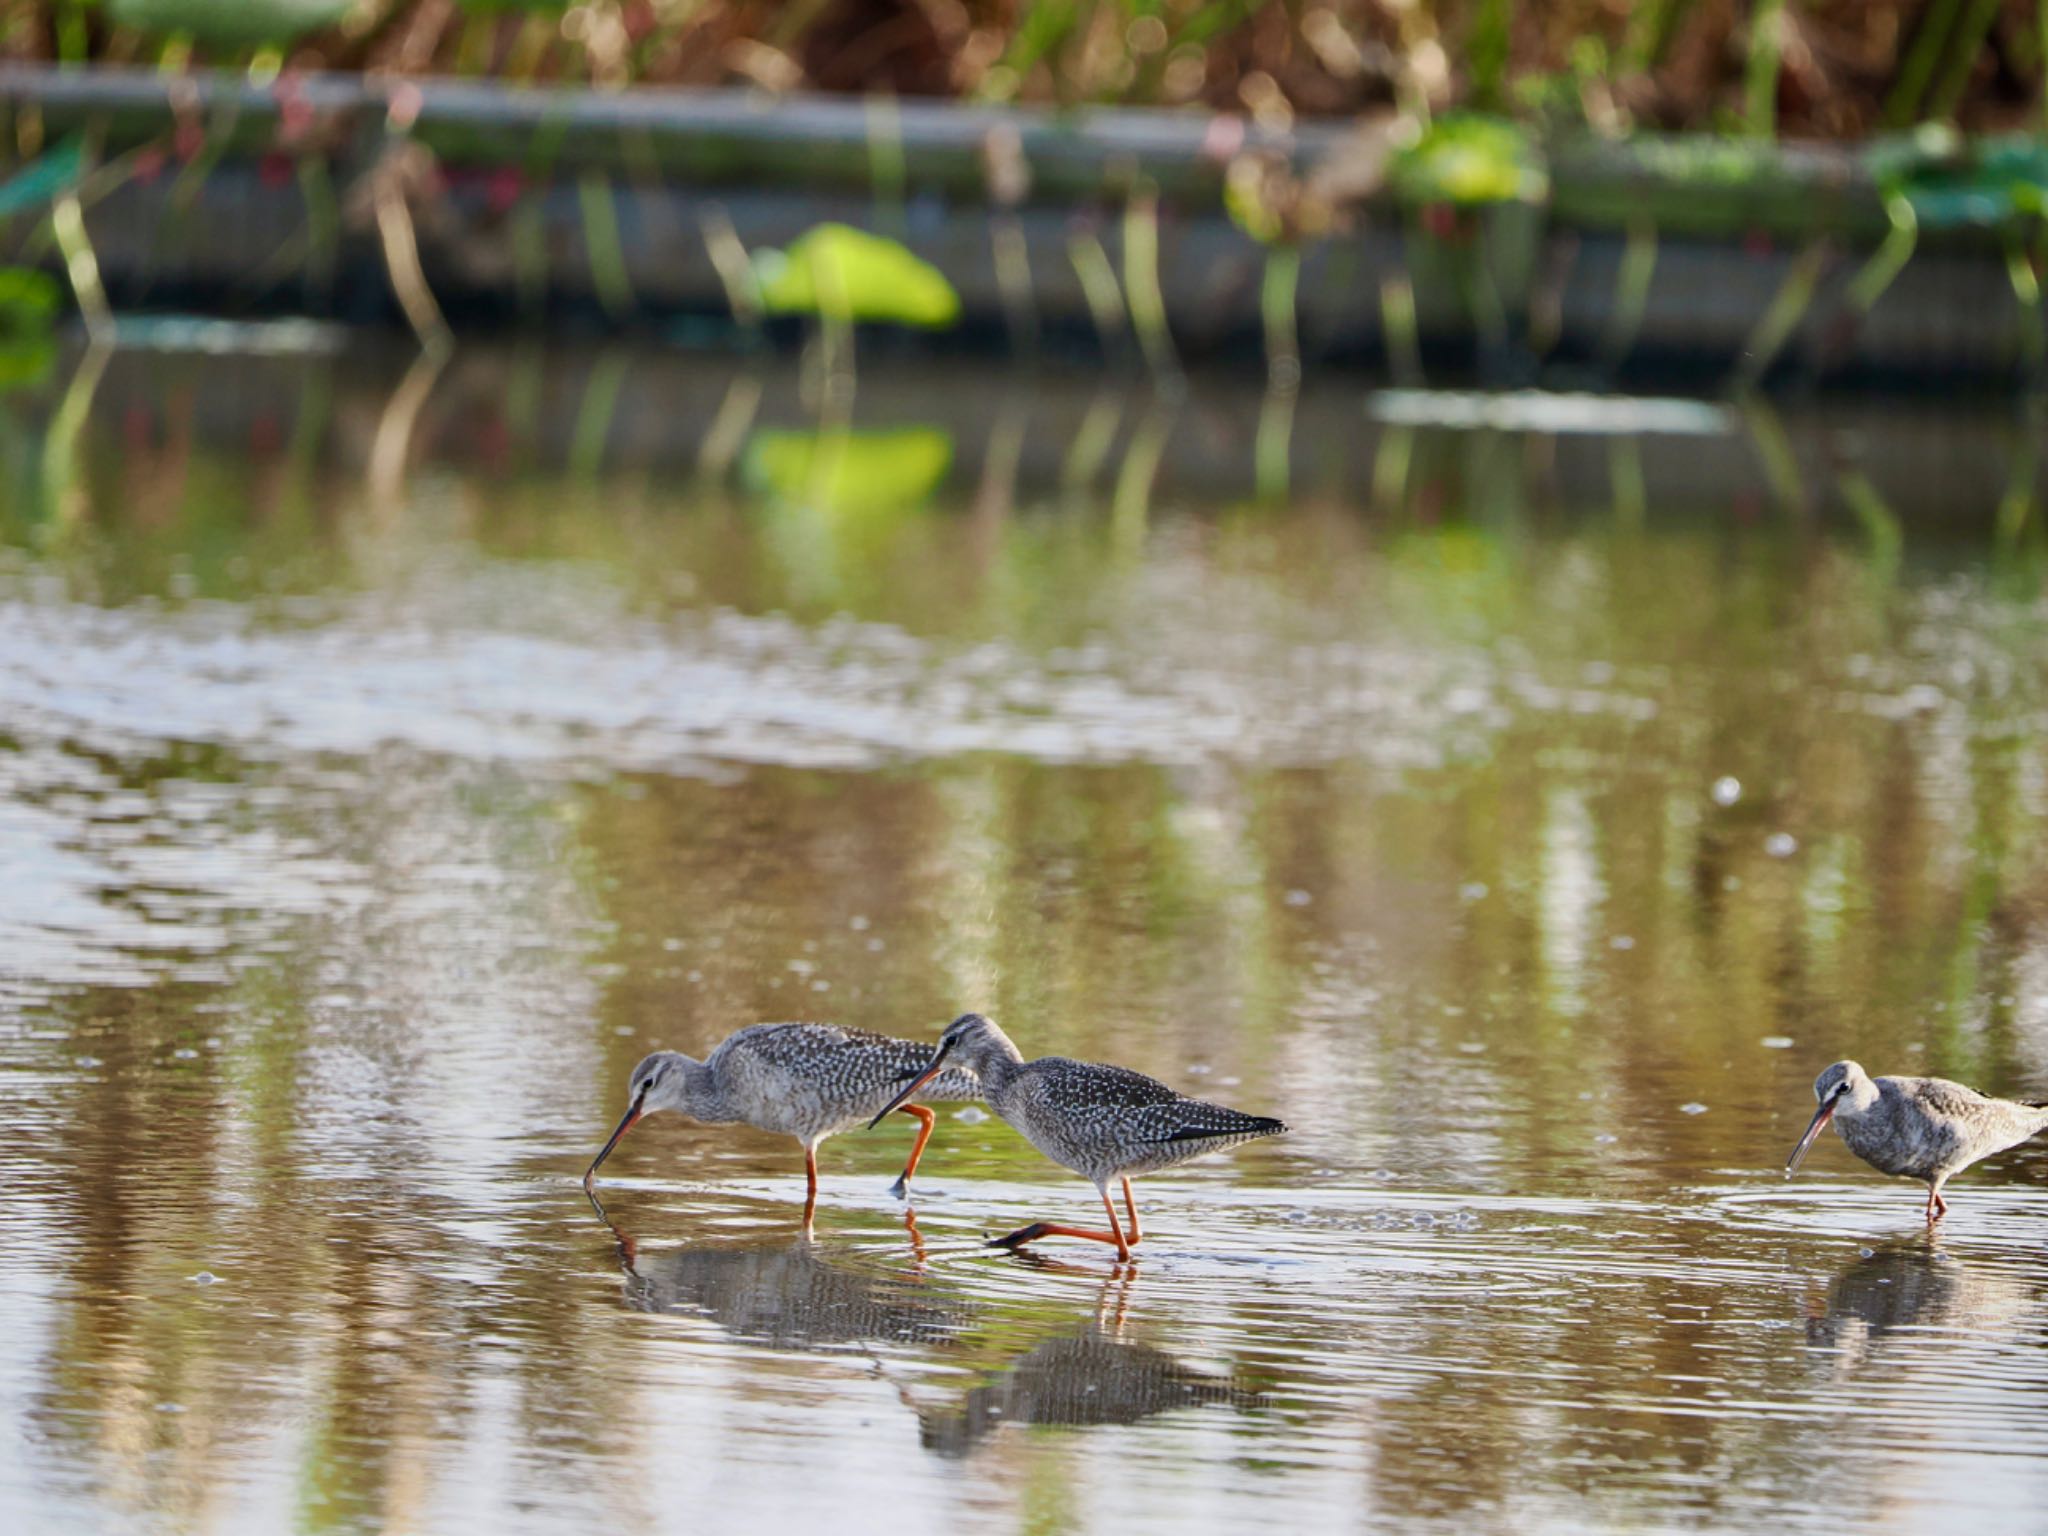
(366, 810)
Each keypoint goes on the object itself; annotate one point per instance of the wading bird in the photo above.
(1925, 1128)
(809, 1081)
(1103, 1122)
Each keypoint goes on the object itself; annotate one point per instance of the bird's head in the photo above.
(967, 1036)
(1836, 1080)
(656, 1083)
(1843, 1081)
(967, 1042)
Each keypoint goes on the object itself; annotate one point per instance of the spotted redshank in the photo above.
(809, 1081)
(1925, 1128)
(1103, 1122)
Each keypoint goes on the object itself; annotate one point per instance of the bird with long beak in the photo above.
(1103, 1122)
(809, 1081)
(1925, 1128)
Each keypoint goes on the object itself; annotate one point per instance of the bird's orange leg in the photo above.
(1131, 1205)
(925, 1121)
(1936, 1206)
(1031, 1234)
(810, 1188)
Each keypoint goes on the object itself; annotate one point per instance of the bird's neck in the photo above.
(702, 1095)
(993, 1057)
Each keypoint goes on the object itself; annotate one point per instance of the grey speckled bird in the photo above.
(809, 1081)
(1103, 1122)
(1925, 1128)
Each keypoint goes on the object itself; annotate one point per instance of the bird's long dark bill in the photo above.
(625, 1125)
(907, 1094)
(1819, 1123)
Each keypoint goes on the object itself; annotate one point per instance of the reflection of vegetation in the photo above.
(1402, 923)
(849, 474)
(839, 495)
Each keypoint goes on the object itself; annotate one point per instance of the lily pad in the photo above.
(1470, 160)
(847, 273)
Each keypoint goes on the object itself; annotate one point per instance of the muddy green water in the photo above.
(1526, 808)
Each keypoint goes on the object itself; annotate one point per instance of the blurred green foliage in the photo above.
(29, 301)
(42, 178)
(1956, 185)
(29, 304)
(230, 23)
(1470, 160)
(846, 273)
(846, 473)
(1806, 68)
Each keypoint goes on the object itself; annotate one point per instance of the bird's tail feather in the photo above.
(1249, 1126)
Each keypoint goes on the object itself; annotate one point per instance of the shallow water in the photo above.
(1525, 801)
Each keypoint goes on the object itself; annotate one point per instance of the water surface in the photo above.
(1525, 802)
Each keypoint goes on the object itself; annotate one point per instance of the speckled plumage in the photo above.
(1924, 1128)
(809, 1081)
(1106, 1123)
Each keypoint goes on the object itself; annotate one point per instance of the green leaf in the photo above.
(230, 23)
(513, 7)
(24, 363)
(1951, 184)
(1470, 160)
(43, 177)
(849, 474)
(29, 303)
(847, 273)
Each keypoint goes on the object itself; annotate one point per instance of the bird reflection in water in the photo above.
(791, 1293)
(1912, 1284)
(1091, 1377)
